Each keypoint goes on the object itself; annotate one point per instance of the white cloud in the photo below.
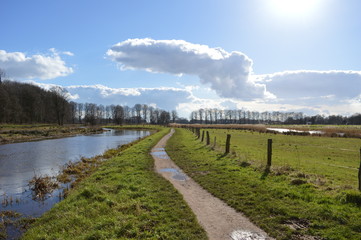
(166, 98)
(18, 65)
(68, 53)
(226, 73)
(187, 99)
(162, 97)
(313, 84)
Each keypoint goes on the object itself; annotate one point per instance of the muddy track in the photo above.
(218, 219)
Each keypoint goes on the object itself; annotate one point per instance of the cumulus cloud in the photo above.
(18, 65)
(162, 97)
(226, 73)
(166, 98)
(304, 84)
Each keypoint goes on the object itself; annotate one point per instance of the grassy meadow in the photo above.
(329, 162)
(310, 192)
(123, 199)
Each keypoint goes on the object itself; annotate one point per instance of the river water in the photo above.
(19, 162)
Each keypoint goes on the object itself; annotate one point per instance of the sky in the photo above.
(257, 55)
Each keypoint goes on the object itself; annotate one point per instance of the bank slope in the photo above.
(123, 199)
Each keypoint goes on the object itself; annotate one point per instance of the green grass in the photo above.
(123, 199)
(330, 162)
(283, 209)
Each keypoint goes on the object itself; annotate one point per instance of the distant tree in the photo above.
(164, 118)
(108, 112)
(145, 110)
(355, 119)
(156, 116)
(127, 114)
(80, 108)
(100, 113)
(4, 104)
(138, 108)
(90, 113)
(73, 111)
(118, 114)
(201, 115)
(174, 116)
(60, 103)
(2, 75)
(151, 115)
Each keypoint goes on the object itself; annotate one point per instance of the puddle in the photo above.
(173, 170)
(285, 130)
(176, 174)
(245, 235)
(162, 155)
(180, 177)
(159, 149)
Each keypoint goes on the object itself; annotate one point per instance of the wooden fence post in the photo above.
(215, 141)
(198, 132)
(228, 143)
(359, 174)
(269, 154)
(208, 140)
(202, 136)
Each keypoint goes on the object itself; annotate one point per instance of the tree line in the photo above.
(27, 103)
(240, 116)
(138, 114)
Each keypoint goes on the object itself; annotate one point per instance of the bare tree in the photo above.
(72, 111)
(201, 115)
(156, 116)
(164, 117)
(145, 112)
(108, 113)
(138, 109)
(127, 113)
(80, 107)
(2, 75)
(60, 103)
(90, 113)
(174, 116)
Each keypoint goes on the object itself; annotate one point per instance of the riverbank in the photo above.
(123, 199)
(35, 132)
(39, 186)
(283, 202)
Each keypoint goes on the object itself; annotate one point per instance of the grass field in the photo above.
(123, 199)
(314, 201)
(329, 162)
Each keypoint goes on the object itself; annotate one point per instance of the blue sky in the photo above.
(301, 56)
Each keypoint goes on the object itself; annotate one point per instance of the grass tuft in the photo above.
(41, 186)
(351, 196)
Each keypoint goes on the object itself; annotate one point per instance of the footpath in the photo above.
(218, 219)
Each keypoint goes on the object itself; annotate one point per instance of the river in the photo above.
(19, 162)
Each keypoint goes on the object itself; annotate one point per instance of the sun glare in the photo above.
(294, 7)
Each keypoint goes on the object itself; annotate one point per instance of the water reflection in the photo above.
(20, 161)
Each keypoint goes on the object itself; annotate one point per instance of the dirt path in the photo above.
(218, 219)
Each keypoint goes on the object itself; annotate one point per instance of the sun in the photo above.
(294, 7)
